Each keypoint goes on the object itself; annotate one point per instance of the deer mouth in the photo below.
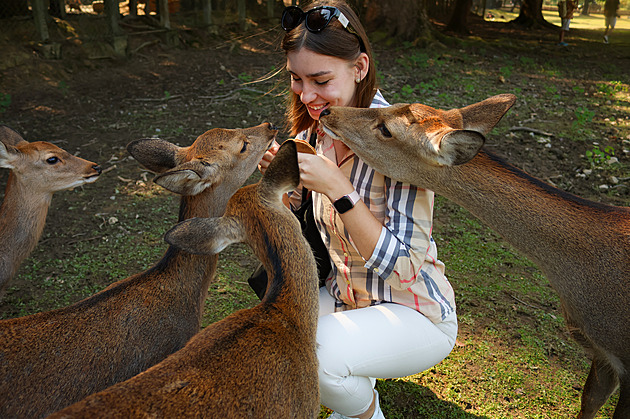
(91, 178)
(331, 133)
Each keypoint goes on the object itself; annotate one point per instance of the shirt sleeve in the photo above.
(405, 239)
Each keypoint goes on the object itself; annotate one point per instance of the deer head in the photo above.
(43, 167)
(214, 158)
(397, 140)
(212, 235)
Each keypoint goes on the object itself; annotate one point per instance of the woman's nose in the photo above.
(307, 94)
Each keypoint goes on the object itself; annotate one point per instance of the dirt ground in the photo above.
(94, 106)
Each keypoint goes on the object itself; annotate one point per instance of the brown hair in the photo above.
(334, 41)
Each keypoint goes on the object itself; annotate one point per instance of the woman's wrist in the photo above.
(340, 189)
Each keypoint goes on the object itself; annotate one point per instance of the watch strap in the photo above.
(346, 202)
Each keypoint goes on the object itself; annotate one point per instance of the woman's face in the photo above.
(322, 81)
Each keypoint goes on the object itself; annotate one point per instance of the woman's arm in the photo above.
(320, 174)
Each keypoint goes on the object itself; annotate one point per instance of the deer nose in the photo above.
(325, 112)
(97, 168)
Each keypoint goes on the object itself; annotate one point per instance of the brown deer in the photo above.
(38, 170)
(258, 362)
(582, 247)
(50, 360)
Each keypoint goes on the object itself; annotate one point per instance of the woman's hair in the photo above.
(335, 41)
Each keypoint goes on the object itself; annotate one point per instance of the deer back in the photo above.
(138, 321)
(257, 362)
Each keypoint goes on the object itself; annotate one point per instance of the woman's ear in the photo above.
(362, 65)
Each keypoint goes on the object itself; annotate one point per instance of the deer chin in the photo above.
(331, 133)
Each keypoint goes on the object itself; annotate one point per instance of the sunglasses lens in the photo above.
(317, 20)
(291, 18)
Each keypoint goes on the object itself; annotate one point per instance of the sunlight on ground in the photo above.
(595, 21)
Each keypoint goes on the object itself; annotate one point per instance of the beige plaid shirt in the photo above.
(404, 267)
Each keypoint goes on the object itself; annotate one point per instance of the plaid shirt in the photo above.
(404, 267)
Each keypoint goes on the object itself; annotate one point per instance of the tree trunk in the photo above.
(531, 15)
(406, 23)
(459, 18)
(586, 7)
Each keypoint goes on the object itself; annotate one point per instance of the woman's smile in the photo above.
(320, 80)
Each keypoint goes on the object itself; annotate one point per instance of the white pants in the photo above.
(384, 341)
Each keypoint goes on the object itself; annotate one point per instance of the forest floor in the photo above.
(569, 127)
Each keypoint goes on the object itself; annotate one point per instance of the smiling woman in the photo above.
(386, 279)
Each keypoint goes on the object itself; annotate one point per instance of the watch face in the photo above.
(343, 204)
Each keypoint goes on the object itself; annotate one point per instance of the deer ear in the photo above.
(153, 153)
(483, 116)
(7, 155)
(9, 136)
(205, 236)
(190, 178)
(459, 146)
(283, 172)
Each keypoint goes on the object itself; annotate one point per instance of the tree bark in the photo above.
(531, 15)
(407, 23)
(459, 18)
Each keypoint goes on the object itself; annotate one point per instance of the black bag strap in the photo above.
(312, 140)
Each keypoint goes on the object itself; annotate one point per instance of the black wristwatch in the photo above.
(346, 202)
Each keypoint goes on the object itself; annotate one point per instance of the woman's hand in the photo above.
(320, 174)
(269, 155)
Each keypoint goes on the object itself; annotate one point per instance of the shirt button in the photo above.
(375, 269)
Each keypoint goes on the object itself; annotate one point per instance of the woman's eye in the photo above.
(321, 83)
(384, 131)
(244, 149)
(52, 160)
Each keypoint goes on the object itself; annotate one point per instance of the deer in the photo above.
(258, 362)
(52, 359)
(581, 246)
(37, 170)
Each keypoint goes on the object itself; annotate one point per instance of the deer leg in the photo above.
(600, 384)
(623, 405)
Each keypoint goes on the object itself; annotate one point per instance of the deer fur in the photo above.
(38, 170)
(50, 360)
(258, 362)
(582, 247)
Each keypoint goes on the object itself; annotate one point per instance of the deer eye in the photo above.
(384, 131)
(52, 160)
(244, 149)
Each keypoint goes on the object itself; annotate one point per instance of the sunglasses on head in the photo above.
(316, 19)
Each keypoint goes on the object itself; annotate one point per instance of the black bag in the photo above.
(258, 279)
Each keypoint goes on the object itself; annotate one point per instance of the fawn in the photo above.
(50, 360)
(258, 362)
(38, 170)
(582, 247)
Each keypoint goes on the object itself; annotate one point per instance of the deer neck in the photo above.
(183, 273)
(209, 203)
(292, 285)
(529, 214)
(22, 219)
